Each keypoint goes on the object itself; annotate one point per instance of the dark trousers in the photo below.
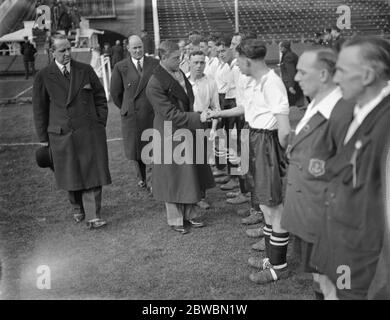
(27, 66)
(87, 201)
(144, 172)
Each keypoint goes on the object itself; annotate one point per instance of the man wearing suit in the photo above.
(179, 185)
(128, 83)
(117, 53)
(29, 52)
(288, 69)
(349, 246)
(70, 115)
(303, 206)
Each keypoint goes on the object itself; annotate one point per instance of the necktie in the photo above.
(66, 73)
(351, 129)
(139, 68)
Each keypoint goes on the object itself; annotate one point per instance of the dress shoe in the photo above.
(78, 217)
(255, 217)
(203, 204)
(240, 199)
(232, 184)
(218, 173)
(259, 246)
(255, 233)
(179, 229)
(96, 223)
(141, 184)
(196, 224)
(222, 179)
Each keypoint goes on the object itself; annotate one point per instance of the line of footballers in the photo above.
(322, 182)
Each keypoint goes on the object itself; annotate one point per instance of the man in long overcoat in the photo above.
(288, 70)
(179, 185)
(128, 91)
(70, 115)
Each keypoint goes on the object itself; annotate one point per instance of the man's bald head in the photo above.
(135, 47)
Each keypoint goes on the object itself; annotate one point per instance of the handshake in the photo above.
(208, 115)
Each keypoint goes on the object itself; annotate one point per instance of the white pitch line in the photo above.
(18, 144)
(23, 92)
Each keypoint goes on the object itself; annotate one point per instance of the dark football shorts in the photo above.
(267, 167)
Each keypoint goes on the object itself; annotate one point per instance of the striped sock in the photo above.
(267, 229)
(278, 248)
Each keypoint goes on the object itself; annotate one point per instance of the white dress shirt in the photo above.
(205, 93)
(360, 113)
(266, 99)
(325, 107)
(141, 61)
(61, 66)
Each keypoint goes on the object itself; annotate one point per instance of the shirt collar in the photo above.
(135, 61)
(326, 105)
(360, 113)
(61, 66)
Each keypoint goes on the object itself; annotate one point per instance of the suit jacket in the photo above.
(129, 95)
(28, 51)
(175, 183)
(353, 225)
(72, 116)
(117, 54)
(303, 205)
(288, 70)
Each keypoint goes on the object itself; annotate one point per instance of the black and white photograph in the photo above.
(208, 153)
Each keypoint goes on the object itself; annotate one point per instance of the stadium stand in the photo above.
(273, 20)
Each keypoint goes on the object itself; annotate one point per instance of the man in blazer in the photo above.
(128, 84)
(288, 64)
(70, 115)
(350, 242)
(179, 185)
(303, 206)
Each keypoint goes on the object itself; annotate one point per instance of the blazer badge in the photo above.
(317, 167)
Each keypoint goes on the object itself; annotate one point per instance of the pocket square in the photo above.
(87, 86)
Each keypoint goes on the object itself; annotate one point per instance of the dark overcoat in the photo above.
(303, 205)
(129, 95)
(353, 225)
(72, 117)
(288, 70)
(176, 183)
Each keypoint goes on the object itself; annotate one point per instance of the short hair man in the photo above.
(353, 225)
(178, 185)
(128, 91)
(267, 115)
(320, 128)
(70, 115)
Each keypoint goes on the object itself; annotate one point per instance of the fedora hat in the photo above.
(44, 158)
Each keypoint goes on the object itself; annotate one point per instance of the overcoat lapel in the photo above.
(147, 70)
(308, 129)
(76, 78)
(56, 75)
